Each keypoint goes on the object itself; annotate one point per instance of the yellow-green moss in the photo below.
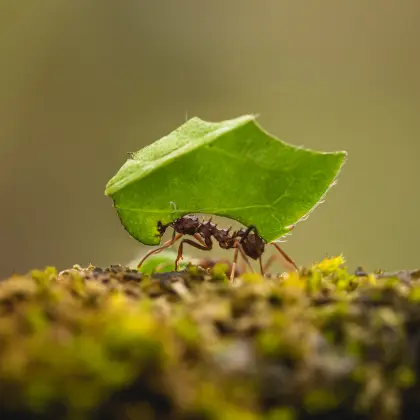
(116, 344)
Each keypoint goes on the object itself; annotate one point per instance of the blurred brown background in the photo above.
(83, 82)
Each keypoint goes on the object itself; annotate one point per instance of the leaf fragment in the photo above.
(231, 168)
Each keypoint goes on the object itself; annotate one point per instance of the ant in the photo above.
(245, 240)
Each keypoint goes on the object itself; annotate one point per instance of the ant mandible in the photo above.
(245, 241)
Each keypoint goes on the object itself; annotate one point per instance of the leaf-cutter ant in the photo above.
(245, 241)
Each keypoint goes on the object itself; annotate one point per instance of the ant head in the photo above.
(161, 228)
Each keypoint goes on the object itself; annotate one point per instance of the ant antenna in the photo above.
(173, 205)
(186, 116)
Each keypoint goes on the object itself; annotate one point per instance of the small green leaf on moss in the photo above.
(163, 262)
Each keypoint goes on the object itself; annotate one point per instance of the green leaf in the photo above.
(232, 168)
(162, 262)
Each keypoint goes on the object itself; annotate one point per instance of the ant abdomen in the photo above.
(253, 246)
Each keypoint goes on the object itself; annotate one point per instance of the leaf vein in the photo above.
(209, 210)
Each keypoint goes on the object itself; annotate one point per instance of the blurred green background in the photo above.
(84, 82)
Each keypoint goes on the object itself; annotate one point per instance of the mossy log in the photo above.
(115, 344)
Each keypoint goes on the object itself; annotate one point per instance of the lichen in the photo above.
(93, 343)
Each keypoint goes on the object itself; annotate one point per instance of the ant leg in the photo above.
(261, 266)
(167, 244)
(272, 258)
(242, 267)
(286, 260)
(235, 259)
(270, 261)
(290, 228)
(199, 239)
(192, 243)
(245, 258)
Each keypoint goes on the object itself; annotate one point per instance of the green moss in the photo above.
(405, 377)
(414, 294)
(219, 271)
(320, 400)
(89, 343)
(269, 343)
(186, 329)
(282, 413)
